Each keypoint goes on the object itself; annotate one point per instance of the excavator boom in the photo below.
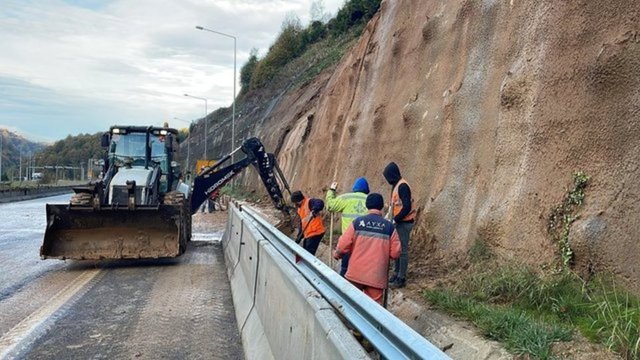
(214, 178)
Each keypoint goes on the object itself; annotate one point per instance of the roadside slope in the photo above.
(488, 108)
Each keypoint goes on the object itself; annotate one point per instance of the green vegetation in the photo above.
(16, 150)
(519, 332)
(353, 13)
(324, 54)
(613, 318)
(72, 150)
(295, 40)
(479, 252)
(246, 72)
(563, 215)
(527, 310)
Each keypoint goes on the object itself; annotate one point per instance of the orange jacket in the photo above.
(396, 203)
(371, 240)
(310, 225)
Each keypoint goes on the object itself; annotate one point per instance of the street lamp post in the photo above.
(20, 167)
(205, 121)
(188, 141)
(1, 157)
(233, 116)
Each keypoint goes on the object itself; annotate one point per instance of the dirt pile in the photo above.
(488, 107)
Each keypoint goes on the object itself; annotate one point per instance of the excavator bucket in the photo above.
(83, 233)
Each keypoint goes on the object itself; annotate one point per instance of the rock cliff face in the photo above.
(488, 107)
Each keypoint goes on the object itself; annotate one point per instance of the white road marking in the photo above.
(13, 337)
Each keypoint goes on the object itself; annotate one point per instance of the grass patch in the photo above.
(527, 310)
(613, 318)
(519, 332)
(324, 54)
(480, 252)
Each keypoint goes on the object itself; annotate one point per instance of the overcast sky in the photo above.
(79, 66)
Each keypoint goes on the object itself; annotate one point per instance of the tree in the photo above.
(291, 21)
(317, 11)
(247, 70)
(287, 47)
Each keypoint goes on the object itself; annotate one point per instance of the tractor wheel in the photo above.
(174, 198)
(81, 199)
(177, 198)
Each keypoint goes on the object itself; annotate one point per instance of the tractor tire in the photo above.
(81, 199)
(177, 198)
(174, 198)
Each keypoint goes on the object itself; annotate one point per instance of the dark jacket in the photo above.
(392, 175)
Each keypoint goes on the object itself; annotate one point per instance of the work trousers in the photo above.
(311, 243)
(372, 292)
(344, 264)
(401, 264)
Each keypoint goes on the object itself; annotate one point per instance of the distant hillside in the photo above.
(72, 151)
(297, 56)
(13, 145)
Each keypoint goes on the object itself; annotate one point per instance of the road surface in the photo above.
(145, 309)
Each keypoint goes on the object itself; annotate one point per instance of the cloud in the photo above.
(79, 66)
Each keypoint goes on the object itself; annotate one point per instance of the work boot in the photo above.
(398, 283)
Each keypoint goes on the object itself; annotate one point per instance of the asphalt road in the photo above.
(147, 309)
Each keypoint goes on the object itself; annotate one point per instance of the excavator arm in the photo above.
(212, 179)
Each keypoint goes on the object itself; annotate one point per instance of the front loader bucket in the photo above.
(83, 233)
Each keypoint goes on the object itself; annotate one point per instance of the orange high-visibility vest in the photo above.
(316, 227)
(396, 203)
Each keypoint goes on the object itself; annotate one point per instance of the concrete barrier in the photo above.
(13, 195)
(280, 315)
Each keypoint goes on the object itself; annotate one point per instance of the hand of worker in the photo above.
(334, 186)
(337, 255)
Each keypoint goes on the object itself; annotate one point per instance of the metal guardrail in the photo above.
(392, 338)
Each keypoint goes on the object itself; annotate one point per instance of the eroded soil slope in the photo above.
(488, 107)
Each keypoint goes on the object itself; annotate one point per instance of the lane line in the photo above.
(10, 340)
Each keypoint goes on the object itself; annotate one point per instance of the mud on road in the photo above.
(148, 309)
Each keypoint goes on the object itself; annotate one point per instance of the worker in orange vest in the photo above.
(404, 213)
(311, 227)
